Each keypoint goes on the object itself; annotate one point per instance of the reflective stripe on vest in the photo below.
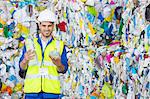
(33, 76)
(34, 63)
(45, 63)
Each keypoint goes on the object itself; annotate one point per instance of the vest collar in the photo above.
(40, 43)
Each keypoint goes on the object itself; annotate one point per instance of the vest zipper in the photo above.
(41, 66)
(42, 63)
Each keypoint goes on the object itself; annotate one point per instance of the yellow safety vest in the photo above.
(34, 82)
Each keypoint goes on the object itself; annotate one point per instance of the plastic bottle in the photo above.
(55, 54)
(30, 46)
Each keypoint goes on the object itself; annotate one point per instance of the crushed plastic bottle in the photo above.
(30, 46)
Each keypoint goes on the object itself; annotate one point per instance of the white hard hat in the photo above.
(46, 15)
